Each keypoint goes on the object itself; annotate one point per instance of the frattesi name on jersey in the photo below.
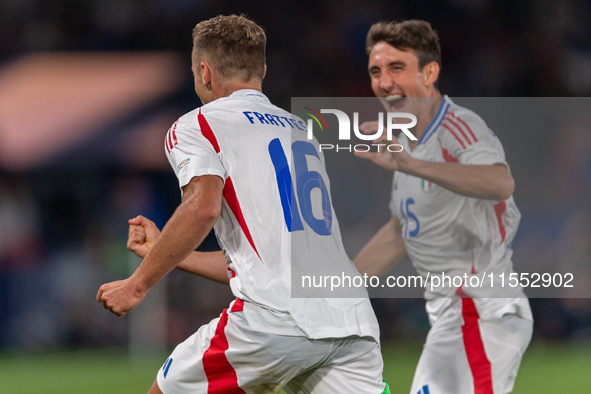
(344, 129)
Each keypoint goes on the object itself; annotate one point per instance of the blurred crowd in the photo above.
(63, 233)
(317, 48)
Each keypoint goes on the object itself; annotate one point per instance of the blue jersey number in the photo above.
(306, 181)
(408, 215)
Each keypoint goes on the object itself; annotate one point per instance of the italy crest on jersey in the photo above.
(426, 186)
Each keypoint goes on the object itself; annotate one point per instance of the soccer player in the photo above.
(231, 157)
(453, 212)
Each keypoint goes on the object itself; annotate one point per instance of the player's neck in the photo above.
(425, 117)
(231, 87)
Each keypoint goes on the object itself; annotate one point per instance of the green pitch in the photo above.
(550, 369)
(544, 369)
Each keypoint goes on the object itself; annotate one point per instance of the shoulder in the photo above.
(463, 127)
(465, 116)
(199, 119)
(188, 120)
(188, 130)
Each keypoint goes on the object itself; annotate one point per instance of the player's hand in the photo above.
(383, 158)
(120, 297)
(142, 235)
(393, 161)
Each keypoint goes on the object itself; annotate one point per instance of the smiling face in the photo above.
(395, 75)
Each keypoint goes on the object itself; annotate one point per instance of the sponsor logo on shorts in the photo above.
(424, 390)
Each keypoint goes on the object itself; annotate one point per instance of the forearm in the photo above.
(210, 265)
(186, 229)
(489, 182)
(382, 252)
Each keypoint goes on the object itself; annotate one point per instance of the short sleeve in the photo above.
(466, 139)
(189, 153)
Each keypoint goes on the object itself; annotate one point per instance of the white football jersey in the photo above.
(445, 232)
(270, 204)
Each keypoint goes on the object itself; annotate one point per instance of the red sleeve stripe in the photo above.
(169, 139)
(174, 132)
(475, 352)
(166, 142)
(466, 126)
(455, 135)
(207, 132)
(170, 136)
(450, 120)
(229, 191)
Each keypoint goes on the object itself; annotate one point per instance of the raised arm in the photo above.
(383, 251)
(185, 230)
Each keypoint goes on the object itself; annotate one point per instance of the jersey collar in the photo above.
(249, 94)
(434, 125)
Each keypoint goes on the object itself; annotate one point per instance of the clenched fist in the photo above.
(120, 297)
(142, 235)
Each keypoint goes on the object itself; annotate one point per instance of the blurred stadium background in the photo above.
(88, 90)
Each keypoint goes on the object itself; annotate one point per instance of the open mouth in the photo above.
(396, 101)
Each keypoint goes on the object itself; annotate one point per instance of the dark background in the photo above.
(63, 214)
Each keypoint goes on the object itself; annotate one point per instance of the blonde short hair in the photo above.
(233, 44)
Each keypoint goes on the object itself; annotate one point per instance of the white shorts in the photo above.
(226, 356)
(466, 355)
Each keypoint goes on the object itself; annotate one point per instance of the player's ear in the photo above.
(206, 75)
(265, 71)
(431, 73)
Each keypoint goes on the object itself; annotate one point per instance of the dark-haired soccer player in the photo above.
(233, 161)
(454, 214)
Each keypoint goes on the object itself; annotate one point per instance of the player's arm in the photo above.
(210, 265)
(186, 229)
(489, 182)
(383, 251)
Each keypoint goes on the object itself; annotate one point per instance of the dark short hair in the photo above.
(234, 44)
(414, 34)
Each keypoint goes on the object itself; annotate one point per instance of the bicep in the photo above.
(204, 193)
(203, 184)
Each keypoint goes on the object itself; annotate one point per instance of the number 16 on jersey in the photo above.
(306, 181)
